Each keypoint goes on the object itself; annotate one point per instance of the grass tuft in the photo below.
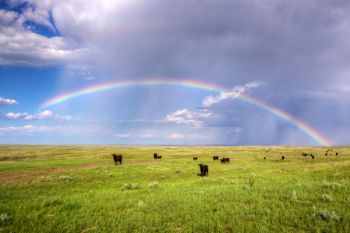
(153, 185)
(130, 186)
(52, 202)
(65, 178)
(327, 197)
(5, 219)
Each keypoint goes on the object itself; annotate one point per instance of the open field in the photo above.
(79, 189)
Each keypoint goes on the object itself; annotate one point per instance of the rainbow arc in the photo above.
(304, 127)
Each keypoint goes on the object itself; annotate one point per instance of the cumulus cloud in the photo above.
(234, 93)
(193, 118)
(199, 117)
(4, 101)
(21, 46)
(45, 115)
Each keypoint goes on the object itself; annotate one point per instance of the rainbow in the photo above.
(308, 130)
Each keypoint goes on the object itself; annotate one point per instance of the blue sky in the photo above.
(291, 55)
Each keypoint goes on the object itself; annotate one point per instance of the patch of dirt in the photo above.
(15, 158)
(7, 178)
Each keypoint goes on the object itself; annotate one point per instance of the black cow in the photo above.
(225, 160)
(117, 159)
(155, 156)
(264, 157)
(159, 157)
(215, 157)
(195, 158)
(312, 156)
(204, 170)
(283, 157)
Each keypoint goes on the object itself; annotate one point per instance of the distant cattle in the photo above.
(264, 157)
(195, 158)
(159, 157)
(215, 157)
(336, 154)
(204, 170)
(225, 160)
(155, 156)
(117, 159)
(283, 157)
(312, 156)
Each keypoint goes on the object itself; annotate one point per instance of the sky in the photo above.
(185, 72)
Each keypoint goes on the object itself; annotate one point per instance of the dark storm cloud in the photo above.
(299, 42)
(295, 47)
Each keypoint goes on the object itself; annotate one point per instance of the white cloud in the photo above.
(21, 46)
(176, 136)
(186, 117)
(137, 134)
(4, 101)
(23, 129)
(62, 130)
(122, 135)
(45, 115)
(234, 93)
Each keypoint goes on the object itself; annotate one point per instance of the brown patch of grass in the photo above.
(7, 178)
(15, 158)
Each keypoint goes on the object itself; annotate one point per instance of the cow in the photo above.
(225, 160)
(264, 157)
(336, 153)
(195, 158)
(215, 157)
(204, 170)
(155, 156)
(283, 157)
(312, 156)
(159, 157)
(117, 159)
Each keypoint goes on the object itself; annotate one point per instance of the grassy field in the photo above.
(79, 189)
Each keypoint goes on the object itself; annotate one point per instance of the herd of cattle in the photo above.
(204, 170)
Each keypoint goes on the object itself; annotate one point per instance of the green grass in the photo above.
(78, 189)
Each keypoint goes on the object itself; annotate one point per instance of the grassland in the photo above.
(78, 189)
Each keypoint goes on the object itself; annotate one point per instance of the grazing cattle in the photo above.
(225, 160)
(195, 158)
(215, 157)
(264, 157)
(159, 157)
(283, 157)
(204, 170)
(117, 159)
(155, 156)
(326, 154)
(336, 153)
(312, 156)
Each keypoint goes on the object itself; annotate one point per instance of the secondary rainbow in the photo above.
(308, 130)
